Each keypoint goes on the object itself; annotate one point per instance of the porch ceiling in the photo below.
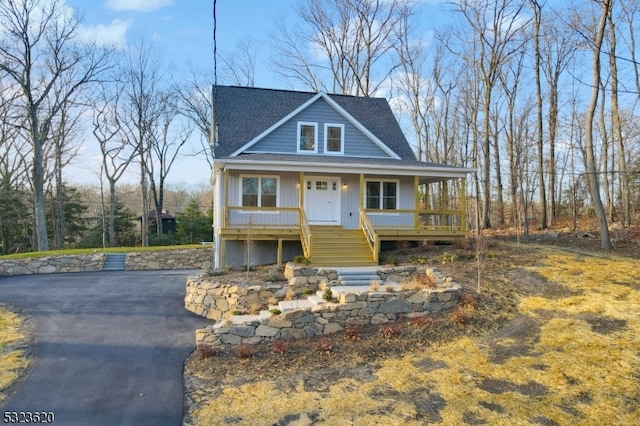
(428, 172)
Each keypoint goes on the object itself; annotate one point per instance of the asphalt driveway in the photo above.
(110, 346)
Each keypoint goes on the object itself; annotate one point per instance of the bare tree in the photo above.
(239, 66)
(591, 169)
(142, 109)
(497, 28)
(43, 58)
(346, 46)
(116, 153)
(195, 103)
(166, 142)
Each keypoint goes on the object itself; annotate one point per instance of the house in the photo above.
(325, 176)
(168, 221)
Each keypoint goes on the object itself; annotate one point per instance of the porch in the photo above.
(338, 245)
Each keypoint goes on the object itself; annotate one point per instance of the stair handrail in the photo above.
(370, 233)
(305, 231)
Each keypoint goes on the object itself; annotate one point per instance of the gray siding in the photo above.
(283, 140)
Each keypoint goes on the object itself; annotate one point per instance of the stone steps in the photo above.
(115, 262)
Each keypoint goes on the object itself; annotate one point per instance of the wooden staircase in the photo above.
(336, 246)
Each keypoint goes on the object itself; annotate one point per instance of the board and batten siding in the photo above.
(283, 140)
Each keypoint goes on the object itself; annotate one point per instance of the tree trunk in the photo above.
(592, 176)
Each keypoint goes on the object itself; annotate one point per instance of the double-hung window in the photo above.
(307, 137)
(381, 194)
(334, 138)
(259, 191)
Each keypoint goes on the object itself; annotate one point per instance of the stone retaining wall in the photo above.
(352, 309)
(52, 264)
(210, 298)
(196, 258)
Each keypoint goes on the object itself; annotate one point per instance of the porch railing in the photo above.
(416, 219)
(261, 217)
(370, 234)
(305, 230)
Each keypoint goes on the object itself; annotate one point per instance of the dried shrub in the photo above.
(389, 288)
(324, 345)
(422, 321)
(207, 350)
(272, 301)
(280, 347)
(353, 332)
(254, 308)
(374, 285)
(468, 300)
(291, 294)
(459, 316)
(421, 281)
(390, 331)
(244, 351)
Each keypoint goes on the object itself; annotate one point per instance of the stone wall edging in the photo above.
(195, 258)
(218, 301)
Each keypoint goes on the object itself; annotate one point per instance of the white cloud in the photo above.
(113, 34)
(138, 5)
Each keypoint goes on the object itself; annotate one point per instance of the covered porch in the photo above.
(379, 205)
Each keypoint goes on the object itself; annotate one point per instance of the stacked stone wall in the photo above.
(217, 301)
(52, 264)
(351, 309)
(197, 258)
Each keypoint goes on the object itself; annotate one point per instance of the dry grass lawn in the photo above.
(554, 340)
(14, 357)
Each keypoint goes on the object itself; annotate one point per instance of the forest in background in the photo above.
(540, 96)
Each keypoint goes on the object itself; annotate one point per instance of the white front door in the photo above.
(322, 200)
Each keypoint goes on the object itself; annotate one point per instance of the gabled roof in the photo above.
(244, 114)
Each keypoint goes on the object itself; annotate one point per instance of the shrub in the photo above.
(244, 351)
(421, 281)
(291, 294)
(275, 311)
(272, 301)
(468, 300)
(216, 272)
(327, 295)
(459, 315)
(393, 260)
(307, 291)
(389, 288)
(422, 321)
(206, 350)
(390, 331)
(353, 332)
(447, 257)
(301, 260)
(324, 345)
(280, 347)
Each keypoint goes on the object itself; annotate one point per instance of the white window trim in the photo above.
(315, 130)
(277, 178)
(386, 211)
(326, 139)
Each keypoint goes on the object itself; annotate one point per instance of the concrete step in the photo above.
(115, 262)
(357, 277)
(289, 305)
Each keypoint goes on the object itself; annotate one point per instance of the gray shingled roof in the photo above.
(242, 113)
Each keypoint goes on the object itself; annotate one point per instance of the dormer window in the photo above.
(334, 138)
(307, 137)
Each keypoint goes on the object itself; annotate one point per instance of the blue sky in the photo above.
(183, 29)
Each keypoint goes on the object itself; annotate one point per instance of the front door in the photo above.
(322, 200)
